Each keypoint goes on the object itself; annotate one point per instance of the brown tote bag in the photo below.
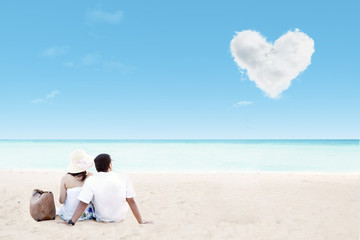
(42, 205)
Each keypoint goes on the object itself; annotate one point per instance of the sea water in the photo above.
(189, 155)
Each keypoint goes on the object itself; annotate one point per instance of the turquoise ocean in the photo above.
(190, 155)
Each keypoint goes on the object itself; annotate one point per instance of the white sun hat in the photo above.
(80, 161)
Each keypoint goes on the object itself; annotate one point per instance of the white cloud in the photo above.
(242, 103)
(113, 64)
(47, 97)
(108, 65)
(99, 16)
(272, 66)
(38, 100)
(97, 61)
(52, 94)
(55, 51)
(90, 59)
(69, 64)
(94, 35)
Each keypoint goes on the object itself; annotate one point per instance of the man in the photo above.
(109, 193)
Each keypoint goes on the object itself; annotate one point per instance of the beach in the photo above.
(253, 205)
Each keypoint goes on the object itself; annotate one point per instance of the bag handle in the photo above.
(40, 192)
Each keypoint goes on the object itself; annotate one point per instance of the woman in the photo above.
(71, 185)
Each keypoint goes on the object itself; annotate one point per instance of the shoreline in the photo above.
(192, 172)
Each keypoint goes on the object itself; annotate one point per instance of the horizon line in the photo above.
(172, 139)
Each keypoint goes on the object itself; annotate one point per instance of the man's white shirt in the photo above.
(108, 192)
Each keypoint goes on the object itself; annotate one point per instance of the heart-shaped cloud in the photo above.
(272, 66)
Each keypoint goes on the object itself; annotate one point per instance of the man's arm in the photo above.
(135, 210)
(79, 210)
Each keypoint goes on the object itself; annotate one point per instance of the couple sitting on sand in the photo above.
(104, 196)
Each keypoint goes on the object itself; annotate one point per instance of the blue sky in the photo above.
(161, 69)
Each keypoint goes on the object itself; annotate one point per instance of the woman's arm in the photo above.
(62, 191)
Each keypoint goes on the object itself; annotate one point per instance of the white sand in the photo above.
(200, 206)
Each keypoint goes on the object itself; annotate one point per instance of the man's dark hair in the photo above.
(102, 162)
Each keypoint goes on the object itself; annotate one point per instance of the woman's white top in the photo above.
(71, 203)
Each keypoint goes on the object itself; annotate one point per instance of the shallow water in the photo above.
(190, 155)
